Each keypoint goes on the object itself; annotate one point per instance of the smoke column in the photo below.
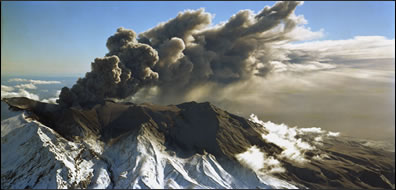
(183, 53)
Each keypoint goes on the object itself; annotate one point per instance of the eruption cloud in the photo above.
(184, 53)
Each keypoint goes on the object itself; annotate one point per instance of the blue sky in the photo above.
(63, 38)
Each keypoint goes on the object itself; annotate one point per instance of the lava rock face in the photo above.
(191, 126)
(202, 127)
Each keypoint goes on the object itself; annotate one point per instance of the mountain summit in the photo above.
(125, 145)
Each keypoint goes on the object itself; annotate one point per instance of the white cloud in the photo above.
(284, 137)
(318, 139)
(253, 158)
(7, 91)
(305, 67)
(320, 156)
(27, 86)
(5, 88)
(57, 93)
(259, 161)
(364, 74)
(20, 93)
(303, 33)
(50, 100)
(333, 134)
(328, 54)
(359, 47)
(311, 130)
(300, 32)
(33, 81)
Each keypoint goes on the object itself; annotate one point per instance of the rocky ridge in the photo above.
(147, 144)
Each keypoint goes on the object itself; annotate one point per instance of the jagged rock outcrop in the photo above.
(35, 156)
(191, 126)
(124, 145)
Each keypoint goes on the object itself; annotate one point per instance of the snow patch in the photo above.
(35, 156)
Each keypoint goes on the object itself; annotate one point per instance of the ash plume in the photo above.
(185, 53)
(125, 69)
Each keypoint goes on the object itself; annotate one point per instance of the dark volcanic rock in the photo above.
(198, 127)
(191, 126)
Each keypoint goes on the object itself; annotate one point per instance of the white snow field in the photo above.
(35, 156)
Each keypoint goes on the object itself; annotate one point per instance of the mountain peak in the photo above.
(194, 128)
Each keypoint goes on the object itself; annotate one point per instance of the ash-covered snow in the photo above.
(35, 156)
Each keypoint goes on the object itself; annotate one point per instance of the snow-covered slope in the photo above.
(190, 145)
(35, 156)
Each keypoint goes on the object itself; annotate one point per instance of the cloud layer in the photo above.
(257, 160)
(28, 86)
(290, 140)
(287, 138)
(7, 92)
(34, 81)
(22, 90)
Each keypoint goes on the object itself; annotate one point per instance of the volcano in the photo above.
(189, 145)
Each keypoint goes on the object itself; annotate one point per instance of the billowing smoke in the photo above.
(125, 69)
(185, 53)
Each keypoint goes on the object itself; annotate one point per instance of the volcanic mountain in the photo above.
(190, 145)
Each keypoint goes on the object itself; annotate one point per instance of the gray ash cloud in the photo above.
(185, 52)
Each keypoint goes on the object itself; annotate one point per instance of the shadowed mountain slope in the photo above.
(191, 128)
